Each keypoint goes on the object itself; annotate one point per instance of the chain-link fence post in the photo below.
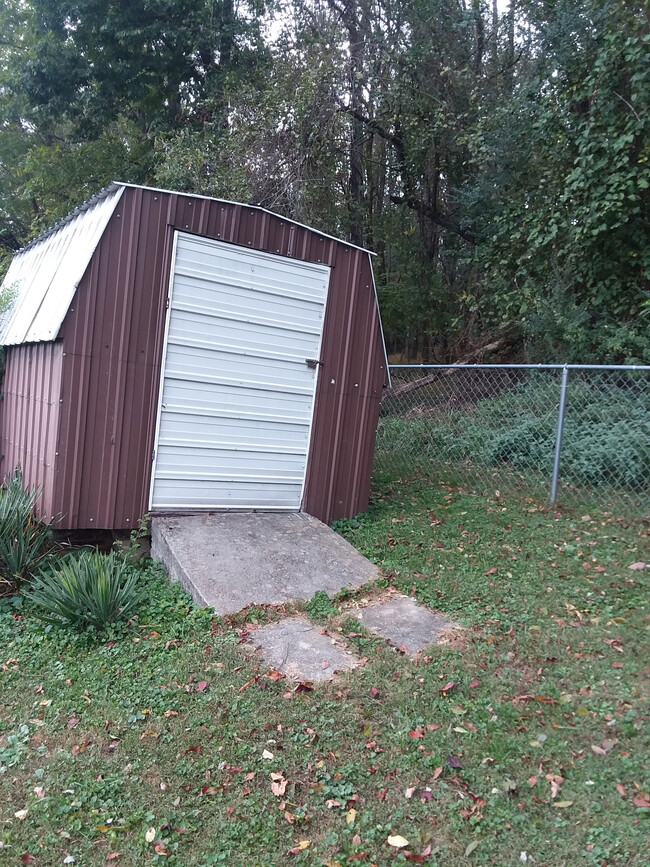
(558, 435)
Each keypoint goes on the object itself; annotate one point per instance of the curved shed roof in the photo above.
(44, 274)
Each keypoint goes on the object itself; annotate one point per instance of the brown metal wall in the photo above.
(112, 341)
(29, 416)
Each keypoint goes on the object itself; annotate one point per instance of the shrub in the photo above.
(24, 538)
(86, 590)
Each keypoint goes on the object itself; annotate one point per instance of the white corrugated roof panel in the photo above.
(45, 274)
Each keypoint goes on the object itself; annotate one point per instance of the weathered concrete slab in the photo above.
(405, 623)
(228, 560)
(299, 649)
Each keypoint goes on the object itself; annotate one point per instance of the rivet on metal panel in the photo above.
(118, 216)
(187, 226)
(333, 382)
(155, 198)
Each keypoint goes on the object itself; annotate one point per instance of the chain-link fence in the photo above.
(573, 433)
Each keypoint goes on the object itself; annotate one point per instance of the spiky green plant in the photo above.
(86, 590)
(24, 538)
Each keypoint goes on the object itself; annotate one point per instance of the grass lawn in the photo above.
(523, 741)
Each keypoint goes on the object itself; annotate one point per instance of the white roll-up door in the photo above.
(237, 393)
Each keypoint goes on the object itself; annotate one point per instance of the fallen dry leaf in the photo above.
(642, 800)
(620, 788)
(304, 844)
(279, 787)
(637, 567)
(350, 816)
(447, 687)
(397, 841)
(150, 836)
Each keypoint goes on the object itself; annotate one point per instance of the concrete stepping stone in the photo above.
(404, 623)
(299, 649)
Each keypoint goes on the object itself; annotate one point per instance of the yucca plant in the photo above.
(24, 538)
(86, 590)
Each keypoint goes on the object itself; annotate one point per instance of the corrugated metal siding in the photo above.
(237, 398)
(349, 391)
(112, 345)
(113, 340)
(46, 273)
(29, 416)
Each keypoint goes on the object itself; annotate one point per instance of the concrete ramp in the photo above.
(228, 560)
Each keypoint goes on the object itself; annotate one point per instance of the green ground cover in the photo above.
(524, 740)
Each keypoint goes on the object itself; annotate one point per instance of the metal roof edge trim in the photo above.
(14, 331)
(84, 206)
(381, 327)
(242, 205)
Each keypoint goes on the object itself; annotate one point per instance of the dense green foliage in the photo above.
(85, 590)
(24, 538)
(495, 157)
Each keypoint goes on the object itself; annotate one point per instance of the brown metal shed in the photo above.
(156, 359)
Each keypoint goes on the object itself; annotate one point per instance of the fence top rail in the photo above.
(519, 366)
